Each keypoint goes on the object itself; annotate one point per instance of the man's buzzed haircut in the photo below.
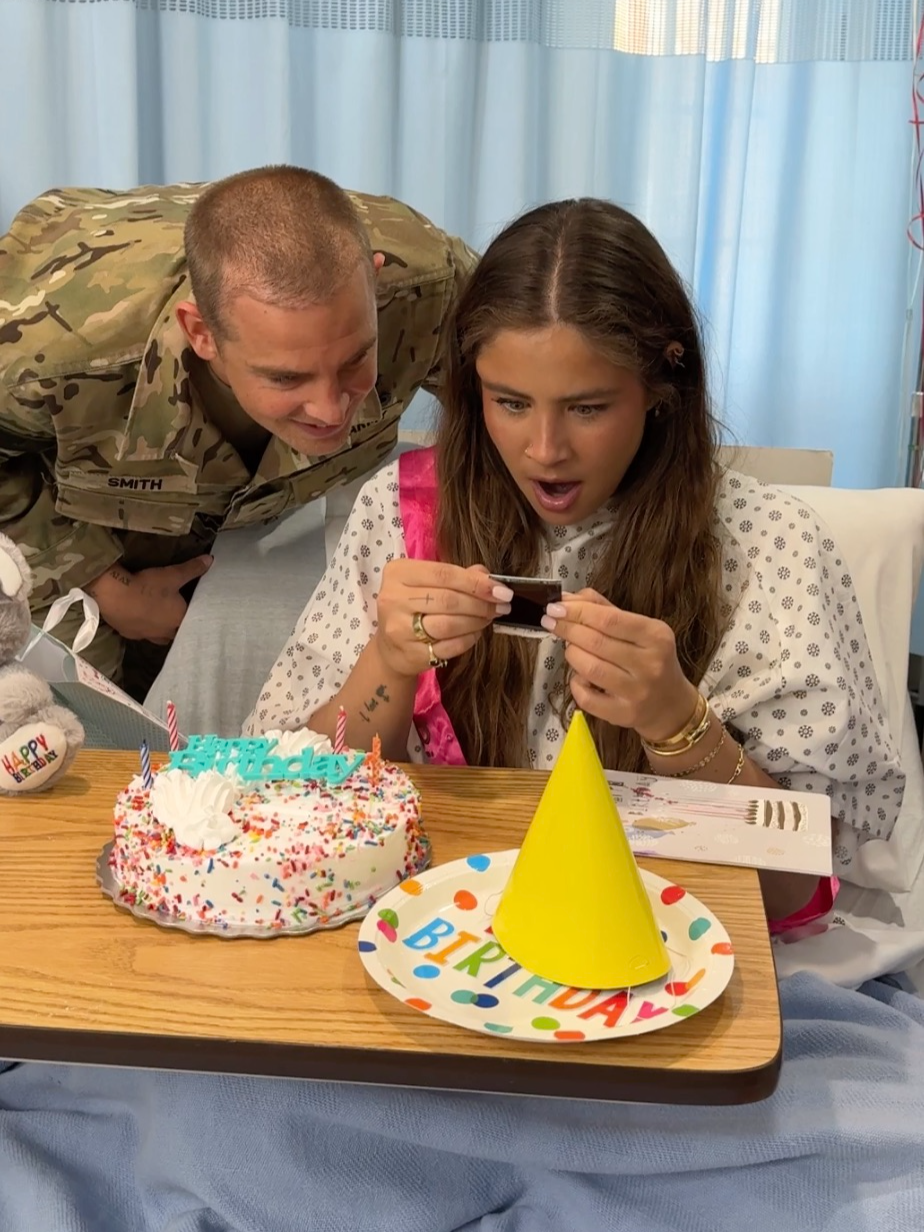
(284, 235)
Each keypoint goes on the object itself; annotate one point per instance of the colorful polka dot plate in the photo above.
(429, 944)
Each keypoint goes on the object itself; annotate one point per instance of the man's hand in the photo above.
(146, 606)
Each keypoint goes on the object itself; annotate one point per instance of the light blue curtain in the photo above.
(766, 142)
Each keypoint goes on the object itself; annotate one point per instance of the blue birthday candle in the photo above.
(146, 774)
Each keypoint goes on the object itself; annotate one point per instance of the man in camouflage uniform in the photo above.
(133, 427)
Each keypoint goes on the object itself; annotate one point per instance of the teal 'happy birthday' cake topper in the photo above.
(251, 758)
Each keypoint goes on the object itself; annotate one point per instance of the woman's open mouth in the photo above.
(556, 497)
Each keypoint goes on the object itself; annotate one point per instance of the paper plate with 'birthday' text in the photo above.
(429, 943)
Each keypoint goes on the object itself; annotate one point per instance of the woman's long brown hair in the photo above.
(590, 265)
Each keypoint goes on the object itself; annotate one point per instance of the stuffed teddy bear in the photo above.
(38, 740)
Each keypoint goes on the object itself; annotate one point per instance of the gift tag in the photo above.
(31, 756)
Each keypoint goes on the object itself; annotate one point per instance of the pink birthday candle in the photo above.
(340, 737)
(173, 732)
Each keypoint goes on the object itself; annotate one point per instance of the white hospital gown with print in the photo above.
(792, 675)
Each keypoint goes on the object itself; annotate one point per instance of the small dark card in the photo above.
(530, 597)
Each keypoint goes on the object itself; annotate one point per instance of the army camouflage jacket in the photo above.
(106, 450)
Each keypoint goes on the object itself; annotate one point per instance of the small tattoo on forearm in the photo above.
(381, 694)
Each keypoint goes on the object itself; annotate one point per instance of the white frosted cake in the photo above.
(276, 834)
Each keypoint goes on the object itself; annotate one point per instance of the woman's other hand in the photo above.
(625, 668)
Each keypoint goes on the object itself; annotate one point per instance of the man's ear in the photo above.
(197, 333)
(378, 260)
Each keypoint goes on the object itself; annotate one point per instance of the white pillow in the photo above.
(881, 536)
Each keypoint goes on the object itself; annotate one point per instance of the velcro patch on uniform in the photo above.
(149, 483)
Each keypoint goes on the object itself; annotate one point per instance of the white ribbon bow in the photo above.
(87, 631)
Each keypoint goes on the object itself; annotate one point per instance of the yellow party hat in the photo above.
(575, 910)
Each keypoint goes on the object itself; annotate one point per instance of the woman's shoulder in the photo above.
(412, 469)
(744, 504)
(381, 486)
(764, 523)
(369, 516)
(771, 540)
(376, 499)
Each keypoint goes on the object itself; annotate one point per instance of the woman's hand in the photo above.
(625, 667)
(456, 605)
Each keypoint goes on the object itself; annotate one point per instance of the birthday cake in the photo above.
(274, 834)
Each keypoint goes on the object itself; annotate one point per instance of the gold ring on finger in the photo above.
(419, 631)
(435, 660)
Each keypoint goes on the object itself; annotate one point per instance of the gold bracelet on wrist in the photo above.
(702, 763)
(740, 765)
(689, 735)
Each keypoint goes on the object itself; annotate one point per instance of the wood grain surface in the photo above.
(83, 981)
